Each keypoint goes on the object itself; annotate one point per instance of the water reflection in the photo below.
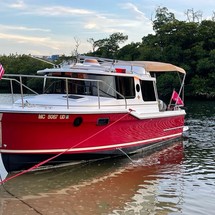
(149, 185)
(200, 109)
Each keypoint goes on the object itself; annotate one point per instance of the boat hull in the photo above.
(27, 139)
(16, 162)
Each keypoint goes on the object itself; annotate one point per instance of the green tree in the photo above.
(162, 17)
(109, 47)
(129, 52)
(21, 64)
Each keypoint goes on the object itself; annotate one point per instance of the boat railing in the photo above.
(17, 78)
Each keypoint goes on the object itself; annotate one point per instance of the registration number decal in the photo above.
(53, 116)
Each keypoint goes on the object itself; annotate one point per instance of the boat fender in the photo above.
(162, 105)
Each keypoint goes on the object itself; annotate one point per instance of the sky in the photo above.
(49, 27)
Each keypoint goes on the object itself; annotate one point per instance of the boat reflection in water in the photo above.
(102, 187)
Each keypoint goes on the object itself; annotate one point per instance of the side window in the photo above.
(125, 86)
(148, 91)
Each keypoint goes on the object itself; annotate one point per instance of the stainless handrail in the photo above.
(20, 82)
(67, 94)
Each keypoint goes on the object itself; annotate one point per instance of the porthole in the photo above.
(77, 121)
(138, 88)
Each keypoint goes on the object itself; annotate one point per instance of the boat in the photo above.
(87, 109)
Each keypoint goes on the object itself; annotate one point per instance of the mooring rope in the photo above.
(57, 155)
(126, 155)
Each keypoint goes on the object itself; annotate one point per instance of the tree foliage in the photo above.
(108, 47)
(22, 64)
(162, 17)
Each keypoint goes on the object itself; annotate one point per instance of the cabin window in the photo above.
(92, 84)
(84, 87)
(148, 91)
(106, 86)
(125, 86)
(55, 86)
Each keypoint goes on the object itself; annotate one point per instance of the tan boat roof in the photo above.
(152, 66)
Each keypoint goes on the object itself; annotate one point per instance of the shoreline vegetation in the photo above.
(188, 44)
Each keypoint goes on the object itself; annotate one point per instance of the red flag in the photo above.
(1, 71)
(176, 98)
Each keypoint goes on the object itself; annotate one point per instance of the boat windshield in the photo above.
(83, 84)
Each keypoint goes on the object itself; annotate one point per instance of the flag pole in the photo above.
(180, 90)
(171, 99)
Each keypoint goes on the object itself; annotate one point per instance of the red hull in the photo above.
(51, 134)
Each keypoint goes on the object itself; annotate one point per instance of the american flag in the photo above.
(1, 71)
